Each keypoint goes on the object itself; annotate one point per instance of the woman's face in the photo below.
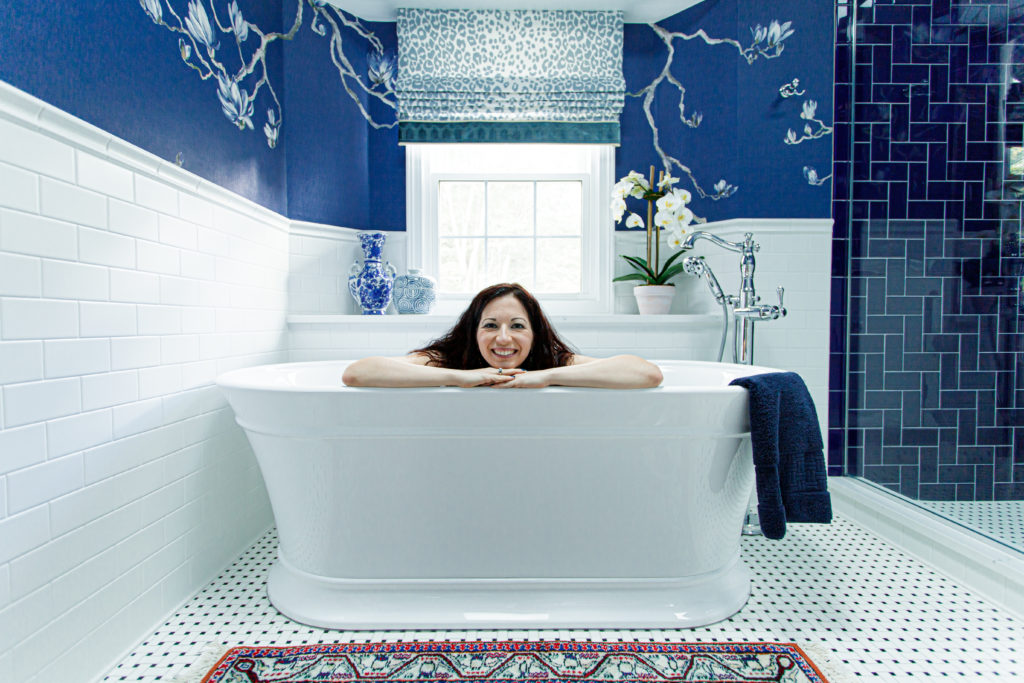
(504, 334)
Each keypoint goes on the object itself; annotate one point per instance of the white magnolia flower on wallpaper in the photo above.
(235, 102)
(202, 22)
(380, 67)
(271, 128)
(198, 25)
(772, 37)
(809, 109)
(778, 32)
(723, 189)
(767, 43)
(184, 49)
(154, 8)
(812, 178)
(238, 24)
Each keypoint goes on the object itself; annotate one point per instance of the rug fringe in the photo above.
(827, 661)
(208, 657)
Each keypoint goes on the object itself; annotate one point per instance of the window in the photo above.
(479, 214)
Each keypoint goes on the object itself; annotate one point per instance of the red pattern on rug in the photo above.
(517, 661)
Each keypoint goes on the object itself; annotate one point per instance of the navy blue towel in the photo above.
(789, 463)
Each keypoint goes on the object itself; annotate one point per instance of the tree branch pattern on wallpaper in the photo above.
(380, 64)
(787, 90)
(810, 108)
(767, 43)
(200, 48)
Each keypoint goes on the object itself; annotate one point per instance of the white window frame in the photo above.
(597, 234)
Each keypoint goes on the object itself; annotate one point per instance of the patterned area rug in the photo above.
(511, 661)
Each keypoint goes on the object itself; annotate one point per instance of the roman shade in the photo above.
(509, 76)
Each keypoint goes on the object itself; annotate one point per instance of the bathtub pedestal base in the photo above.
(508, 603)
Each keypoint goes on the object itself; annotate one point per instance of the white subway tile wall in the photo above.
(125, 484)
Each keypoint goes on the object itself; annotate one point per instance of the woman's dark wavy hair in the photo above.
(458, 348)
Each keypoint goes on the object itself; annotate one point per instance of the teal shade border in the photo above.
(599, 133)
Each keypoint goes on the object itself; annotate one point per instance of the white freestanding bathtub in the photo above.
(501, 508)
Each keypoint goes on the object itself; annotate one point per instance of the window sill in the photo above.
(631, 320)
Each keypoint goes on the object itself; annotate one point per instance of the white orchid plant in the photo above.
(672, 215)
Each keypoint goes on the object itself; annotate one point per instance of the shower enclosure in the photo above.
(927, 388)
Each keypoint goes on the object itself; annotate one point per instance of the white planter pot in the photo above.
(654, 299)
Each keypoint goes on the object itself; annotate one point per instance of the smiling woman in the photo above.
(503, 339)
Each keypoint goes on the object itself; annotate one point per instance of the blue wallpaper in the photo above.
(341, 170)
(108, 63)
(111, 64)
(743, 118)
(927, 256)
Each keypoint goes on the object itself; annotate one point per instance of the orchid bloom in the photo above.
(667, 181)
(668, 203)
(665, 219)
(618, 208)
(622, 188)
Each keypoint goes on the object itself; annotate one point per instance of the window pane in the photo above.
(460, 208)
(558, 265)
(510, 260)
(559, 208)
(462, 265)
(509, 208)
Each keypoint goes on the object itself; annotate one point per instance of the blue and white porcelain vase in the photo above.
(414, 293)
(371, 283)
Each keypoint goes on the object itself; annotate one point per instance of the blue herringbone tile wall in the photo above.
(927, 376)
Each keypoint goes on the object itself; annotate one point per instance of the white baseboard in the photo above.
(980, 564)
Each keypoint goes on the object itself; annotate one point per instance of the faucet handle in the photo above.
(782, 309)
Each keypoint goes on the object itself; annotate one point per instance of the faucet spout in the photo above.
(696, 235)
(745, 307)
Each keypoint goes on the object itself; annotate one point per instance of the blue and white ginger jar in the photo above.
(371, 284)
(414, 293)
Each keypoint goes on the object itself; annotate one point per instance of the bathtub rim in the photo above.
(248, 378)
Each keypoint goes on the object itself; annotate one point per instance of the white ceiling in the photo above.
(633, 12)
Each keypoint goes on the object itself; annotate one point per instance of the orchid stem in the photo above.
(650, 227)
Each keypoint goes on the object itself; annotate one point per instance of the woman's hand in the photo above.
(617, 372)
(484, 377)
(535, 379)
